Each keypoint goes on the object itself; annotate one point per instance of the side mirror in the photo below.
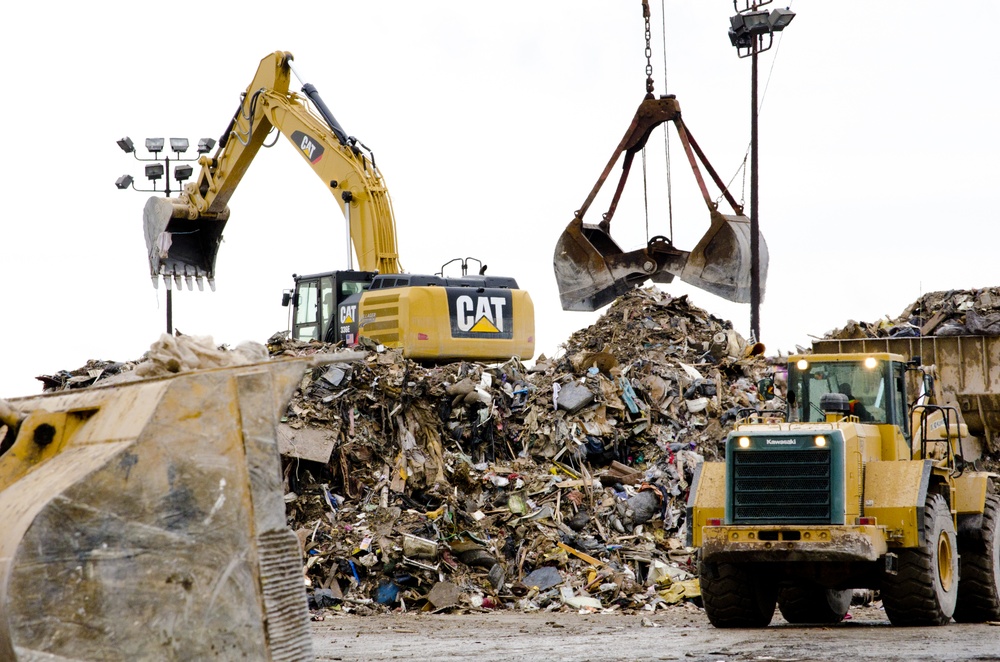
(766, 388)
(286, 298)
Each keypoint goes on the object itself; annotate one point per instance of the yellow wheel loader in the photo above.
(862, 481)
(424, 317)
(145, 521)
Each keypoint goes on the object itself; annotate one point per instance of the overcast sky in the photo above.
(491, 122)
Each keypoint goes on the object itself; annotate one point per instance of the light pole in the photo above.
(155, 171)
(747, 31)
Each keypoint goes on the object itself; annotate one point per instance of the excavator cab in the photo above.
(325, 305)
(592, 270)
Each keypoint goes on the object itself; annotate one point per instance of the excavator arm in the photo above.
(183, 234)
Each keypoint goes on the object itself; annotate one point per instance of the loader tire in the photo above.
(979, 590)
(736, 597)
(809, 603)
(925, 588)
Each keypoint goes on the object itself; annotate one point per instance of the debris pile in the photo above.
(949, 313)
(558, 486)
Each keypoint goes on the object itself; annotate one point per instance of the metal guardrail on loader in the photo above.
(861, 482)
(145, 520)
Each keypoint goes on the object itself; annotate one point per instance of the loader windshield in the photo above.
(866, 382)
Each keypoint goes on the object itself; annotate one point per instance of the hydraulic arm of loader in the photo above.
(183, 233)
(145, 521)
(590, 268)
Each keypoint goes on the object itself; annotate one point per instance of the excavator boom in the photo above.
(183, 234)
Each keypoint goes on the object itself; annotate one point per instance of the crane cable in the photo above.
(666, 132)
(649, 95)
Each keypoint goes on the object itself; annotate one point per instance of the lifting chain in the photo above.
(649, 51)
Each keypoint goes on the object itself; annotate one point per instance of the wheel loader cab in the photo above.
(874, 388)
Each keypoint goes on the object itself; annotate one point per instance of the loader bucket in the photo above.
(145, 521)
(592, 270)
(180, 248)
(721, 262)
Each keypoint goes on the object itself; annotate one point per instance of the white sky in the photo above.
(491, 122)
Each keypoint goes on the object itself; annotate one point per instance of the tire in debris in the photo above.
(924, 589)
(979, 590)
(735, 596)
(809, 603)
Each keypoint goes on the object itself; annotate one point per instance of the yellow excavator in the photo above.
(428, 317)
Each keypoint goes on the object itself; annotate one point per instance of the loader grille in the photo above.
(781, 486)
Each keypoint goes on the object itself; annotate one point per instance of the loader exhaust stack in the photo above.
(591, 270)
(146, 521)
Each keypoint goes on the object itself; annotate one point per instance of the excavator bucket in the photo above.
(180, 249)
(145, 521)
(592, 270)
(722, 261)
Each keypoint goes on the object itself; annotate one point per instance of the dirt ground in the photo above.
(677, 633)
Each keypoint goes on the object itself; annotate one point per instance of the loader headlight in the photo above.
(802, 364)
(871, 362)
(820, 441)
(744, 442)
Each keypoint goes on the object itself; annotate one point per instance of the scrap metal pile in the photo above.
(945, 313)
(472, 486)
(467, 486)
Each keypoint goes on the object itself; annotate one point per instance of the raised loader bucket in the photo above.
(146, 521)
(592, 270)
(721, 262)
(181, 249)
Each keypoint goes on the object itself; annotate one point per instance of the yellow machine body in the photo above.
(145, 521)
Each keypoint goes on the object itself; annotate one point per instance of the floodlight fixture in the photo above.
(124, 181)
(154, 171)
(183, 172)
(206, 145)
(756, 22)
(179, 145)
(780, 18)
(154, 145)
(740, 39)
(127, 145)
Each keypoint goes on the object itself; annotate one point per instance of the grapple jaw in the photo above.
(181, 249)
(592, 271)
(722, 261)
